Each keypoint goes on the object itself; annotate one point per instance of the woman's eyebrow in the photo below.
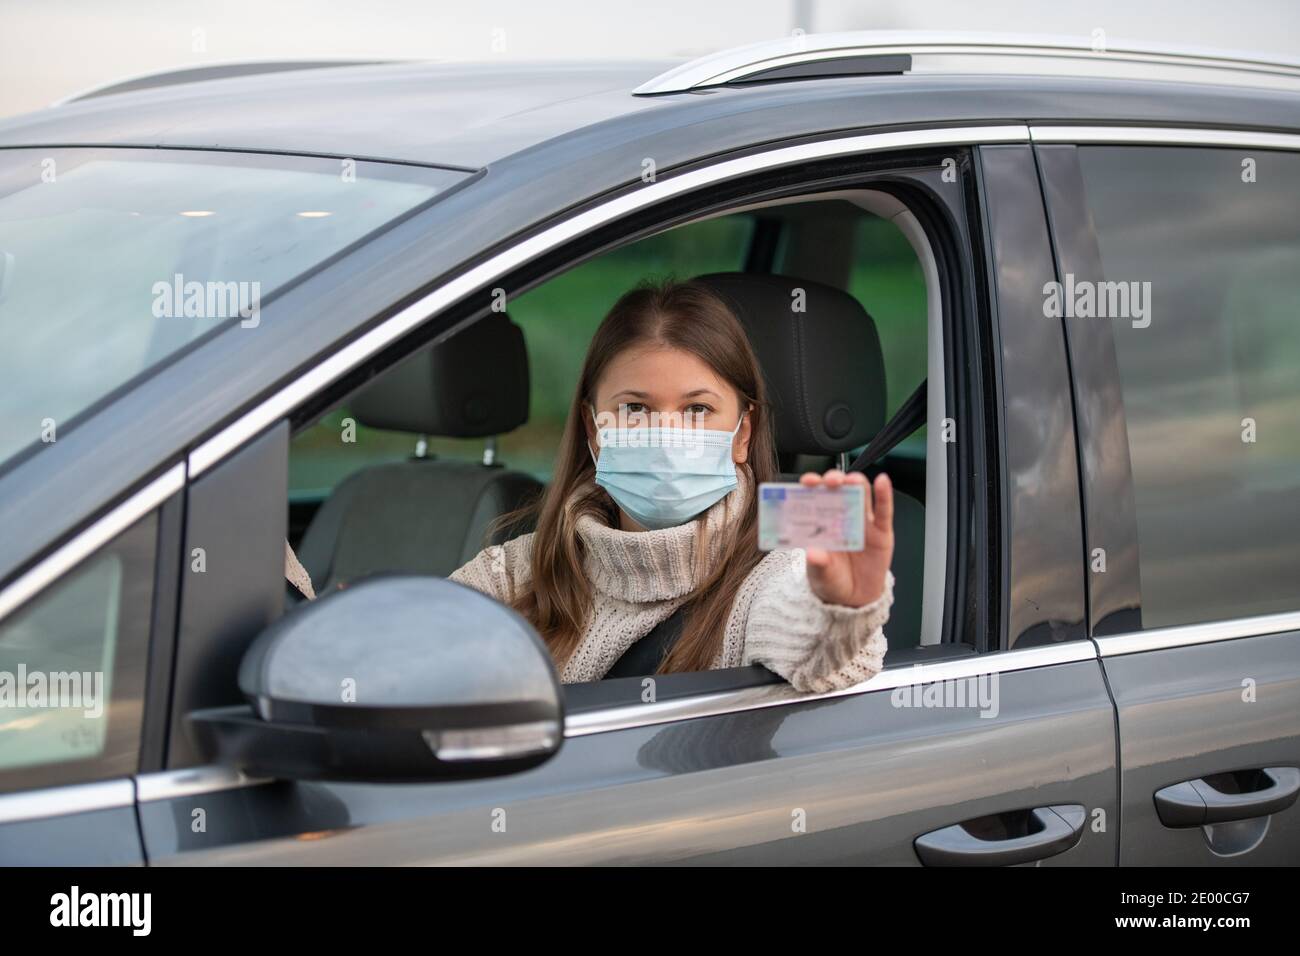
(632, 393)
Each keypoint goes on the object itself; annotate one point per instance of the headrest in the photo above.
(823, 366)
(471, 385)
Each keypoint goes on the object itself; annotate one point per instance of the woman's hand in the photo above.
(855, 578)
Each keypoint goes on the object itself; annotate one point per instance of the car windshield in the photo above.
(112, 261)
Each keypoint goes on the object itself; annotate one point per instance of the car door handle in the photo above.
(1195, 803)
(1003, 839)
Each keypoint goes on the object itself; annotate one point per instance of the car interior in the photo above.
(457, 434)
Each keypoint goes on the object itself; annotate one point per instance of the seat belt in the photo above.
(909, 417)
(644, 657)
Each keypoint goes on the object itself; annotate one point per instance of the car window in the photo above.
(434, 519)
(558, 319)
(1207, 242)
(72, 669)
(114, 260)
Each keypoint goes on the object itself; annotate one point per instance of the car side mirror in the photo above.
(395, 679)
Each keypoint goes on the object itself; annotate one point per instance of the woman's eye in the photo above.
(698, 410)
(633, 407)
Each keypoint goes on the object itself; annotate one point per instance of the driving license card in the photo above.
(791, 515)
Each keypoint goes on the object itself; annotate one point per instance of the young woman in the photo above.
(653, 508)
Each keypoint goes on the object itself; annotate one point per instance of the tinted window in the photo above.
(72, 667)
(1211, 385)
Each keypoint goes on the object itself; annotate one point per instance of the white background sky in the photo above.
(52, 48)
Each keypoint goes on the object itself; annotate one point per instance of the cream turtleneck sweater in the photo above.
(640, 577)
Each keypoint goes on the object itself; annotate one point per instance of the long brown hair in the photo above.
(558, 598)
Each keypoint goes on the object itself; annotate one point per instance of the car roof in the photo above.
(459, 115)
(471, 115)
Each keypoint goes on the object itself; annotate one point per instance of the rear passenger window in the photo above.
(1211, 376)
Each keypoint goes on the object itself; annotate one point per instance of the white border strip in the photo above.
(415, 314)
(92, 538)
(774, 695)
(61, 801)
(1161, 638)
(1157, 136)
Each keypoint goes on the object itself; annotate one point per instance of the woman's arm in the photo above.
(819, 621)
(495, 570)
(815, 645)
(498, 570)
(296, 574)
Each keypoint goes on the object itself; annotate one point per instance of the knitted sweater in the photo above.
(640, 577)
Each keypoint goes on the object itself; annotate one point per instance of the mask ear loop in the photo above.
(597, 424)
(735, 431)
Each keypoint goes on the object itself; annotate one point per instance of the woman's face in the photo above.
(659, 385)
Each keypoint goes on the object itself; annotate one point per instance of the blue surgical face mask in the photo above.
(662, 477)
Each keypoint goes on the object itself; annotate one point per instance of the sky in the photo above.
(50, 49)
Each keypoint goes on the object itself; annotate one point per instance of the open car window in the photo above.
(384, 482)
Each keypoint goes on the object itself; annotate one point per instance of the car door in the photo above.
(74, 650)
(1189, 425)
(996, 745)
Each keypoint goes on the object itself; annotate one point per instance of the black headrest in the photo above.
(471, 385)
(823, 366)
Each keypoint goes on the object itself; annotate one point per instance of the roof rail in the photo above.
(847, 54)
(209, 71)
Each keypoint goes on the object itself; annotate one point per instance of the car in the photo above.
(1052, 288)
